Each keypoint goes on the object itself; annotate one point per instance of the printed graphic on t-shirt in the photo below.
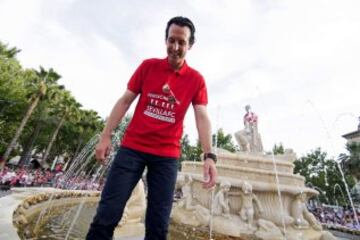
(160, 108)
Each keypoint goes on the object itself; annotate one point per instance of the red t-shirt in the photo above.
(157, 124)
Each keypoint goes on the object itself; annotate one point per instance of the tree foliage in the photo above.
(55, 118)
(323, 174)
(278, 149)
(350, 161)
(224, 141)
(190, 152)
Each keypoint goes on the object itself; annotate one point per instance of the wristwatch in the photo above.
(210, 155)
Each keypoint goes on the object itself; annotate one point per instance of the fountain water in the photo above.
(342, 194)
(73, 173)
(34, 211)
(279, 194)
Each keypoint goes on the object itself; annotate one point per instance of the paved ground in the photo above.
(4, 193)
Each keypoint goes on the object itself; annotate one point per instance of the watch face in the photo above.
(210, 155)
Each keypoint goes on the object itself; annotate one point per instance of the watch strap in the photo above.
(210, 155)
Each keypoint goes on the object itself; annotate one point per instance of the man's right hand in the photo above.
(103, 149)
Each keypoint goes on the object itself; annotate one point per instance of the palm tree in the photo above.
(53, 94)
(68, 109)
(90, 121)
(39, 88)
(89, 124)
(8, 52)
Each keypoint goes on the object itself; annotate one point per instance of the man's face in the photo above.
(177, 45)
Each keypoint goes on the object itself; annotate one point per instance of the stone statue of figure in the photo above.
(249, 201)
(359, 124)
(221, 201)
(249, 138)
(186, 189)
(302, 217)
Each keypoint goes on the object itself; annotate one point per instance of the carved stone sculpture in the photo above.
(249, 201)
(186, 201)
(221, 201)
(249, 138)
(302, 217)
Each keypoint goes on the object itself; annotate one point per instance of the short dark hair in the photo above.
(183, 22)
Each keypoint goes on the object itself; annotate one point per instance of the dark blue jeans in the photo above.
(124, 174)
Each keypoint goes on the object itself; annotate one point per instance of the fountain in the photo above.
(257, 195)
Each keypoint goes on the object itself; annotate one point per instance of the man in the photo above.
(152, 139)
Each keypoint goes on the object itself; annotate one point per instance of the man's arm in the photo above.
(204, 129)
(103, 148)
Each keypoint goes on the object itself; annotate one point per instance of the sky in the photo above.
(295, 62)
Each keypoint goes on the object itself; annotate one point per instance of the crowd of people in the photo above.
(333, 216)
(28, 177)
(16, 177)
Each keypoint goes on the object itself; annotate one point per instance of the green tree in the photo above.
(90, 122)
(224, 141)
(322, 174)
(8, 52)
(39, 88)
(40, 120)
(350, 161)
(12, 94)
(188, 151)
(278, 149)
(67, 108)
(22, 90)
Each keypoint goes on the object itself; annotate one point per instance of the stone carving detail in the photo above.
(302, 217)
(221, 202)
(268, 231)
(249, 202)
(187, 193)
(249, 138)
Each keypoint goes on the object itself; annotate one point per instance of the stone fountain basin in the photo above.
(19, 209)
(22, 203)
(267, 177)
(258, 161)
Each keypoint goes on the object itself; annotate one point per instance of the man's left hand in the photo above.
(210, 173)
